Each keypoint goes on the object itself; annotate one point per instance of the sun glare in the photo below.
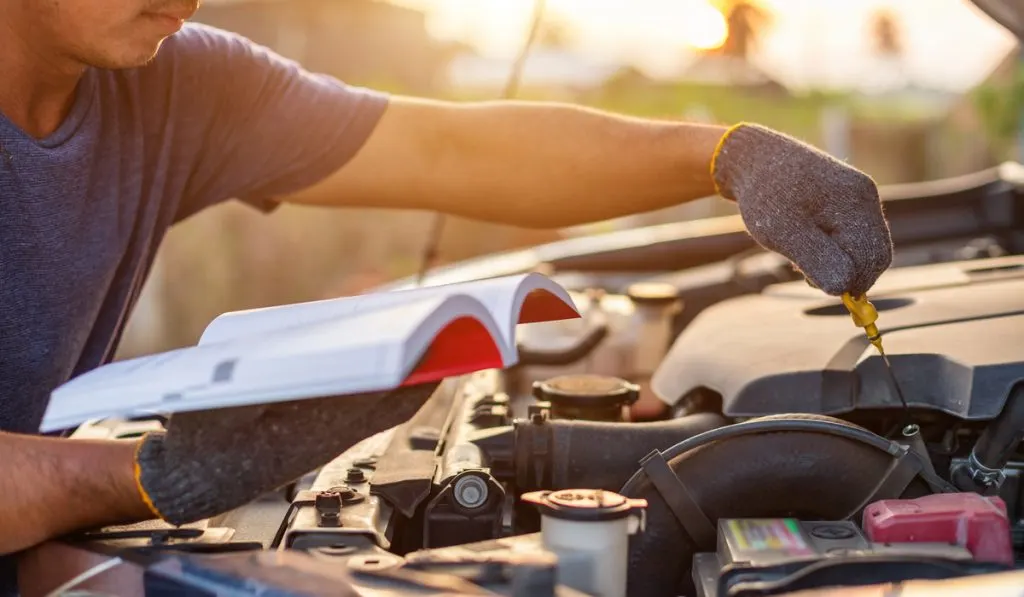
(704, 28)
(491, 24)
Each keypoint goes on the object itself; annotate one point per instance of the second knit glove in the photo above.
(821, 214)
(210, 462)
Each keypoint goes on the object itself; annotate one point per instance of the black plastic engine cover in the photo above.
(954, 334)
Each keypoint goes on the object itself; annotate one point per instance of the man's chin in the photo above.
(138, 54)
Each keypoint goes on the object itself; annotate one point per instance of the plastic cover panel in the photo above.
(954, 333)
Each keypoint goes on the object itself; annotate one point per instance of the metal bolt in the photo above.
(344, 491)
(471, 491)
(328, 507)
(348, 495)
(355, 475)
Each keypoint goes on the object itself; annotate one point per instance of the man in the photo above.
(118, 120)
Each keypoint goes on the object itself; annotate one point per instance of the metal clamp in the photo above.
(900, 474)
(989, 478)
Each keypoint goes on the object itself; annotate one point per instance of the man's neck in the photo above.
(39, 85)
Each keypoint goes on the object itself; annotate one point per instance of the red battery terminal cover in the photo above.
(979, 524)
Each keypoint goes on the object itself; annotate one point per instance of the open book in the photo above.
(351, 345)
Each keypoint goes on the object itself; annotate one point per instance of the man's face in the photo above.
(101, 33)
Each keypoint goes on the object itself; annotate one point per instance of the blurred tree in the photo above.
(747, 21)
(886, 37)
(555, 34)
(886, 34)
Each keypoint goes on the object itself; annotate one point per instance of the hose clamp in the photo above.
(990, 478)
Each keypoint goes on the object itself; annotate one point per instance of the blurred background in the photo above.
(908, 90)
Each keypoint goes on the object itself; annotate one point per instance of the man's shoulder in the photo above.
(198, 42)
(200, 59)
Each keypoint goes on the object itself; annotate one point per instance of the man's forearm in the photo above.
(524, 163)
(50, 487)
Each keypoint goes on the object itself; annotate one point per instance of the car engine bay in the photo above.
(772, 453)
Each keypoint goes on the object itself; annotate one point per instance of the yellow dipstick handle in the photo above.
(864, 316)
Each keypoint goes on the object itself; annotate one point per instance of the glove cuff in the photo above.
(174, 493)
(741, 155)
(716, 176)
(140, 450)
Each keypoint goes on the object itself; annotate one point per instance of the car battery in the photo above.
(965, 519)
(767, 556)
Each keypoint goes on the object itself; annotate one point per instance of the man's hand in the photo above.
(821, 214)
(209, 462)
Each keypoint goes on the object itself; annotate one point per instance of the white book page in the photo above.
(503, 297)
(255, 322)
(369, 352)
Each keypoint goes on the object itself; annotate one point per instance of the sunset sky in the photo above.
(949, 43)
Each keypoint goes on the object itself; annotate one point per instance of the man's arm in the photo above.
(552, 165)
(205, 464)
(260, 128)
(52, 486)
(530, 164)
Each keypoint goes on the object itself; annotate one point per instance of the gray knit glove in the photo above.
(816, 211)
(210, 462)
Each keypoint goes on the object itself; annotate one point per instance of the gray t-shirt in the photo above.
(82, 212)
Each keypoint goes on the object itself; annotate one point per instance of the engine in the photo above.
(783, 456)
(710, 427)
(952, 333)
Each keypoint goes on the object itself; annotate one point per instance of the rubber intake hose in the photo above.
(580, 349)
(983, 471)
(566, 454)
(806, 472)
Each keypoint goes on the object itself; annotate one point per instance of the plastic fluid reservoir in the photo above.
(979, 524)
(656, 305)
(589, 529)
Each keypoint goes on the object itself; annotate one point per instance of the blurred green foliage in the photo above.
(1000, 106)
(795, 115)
